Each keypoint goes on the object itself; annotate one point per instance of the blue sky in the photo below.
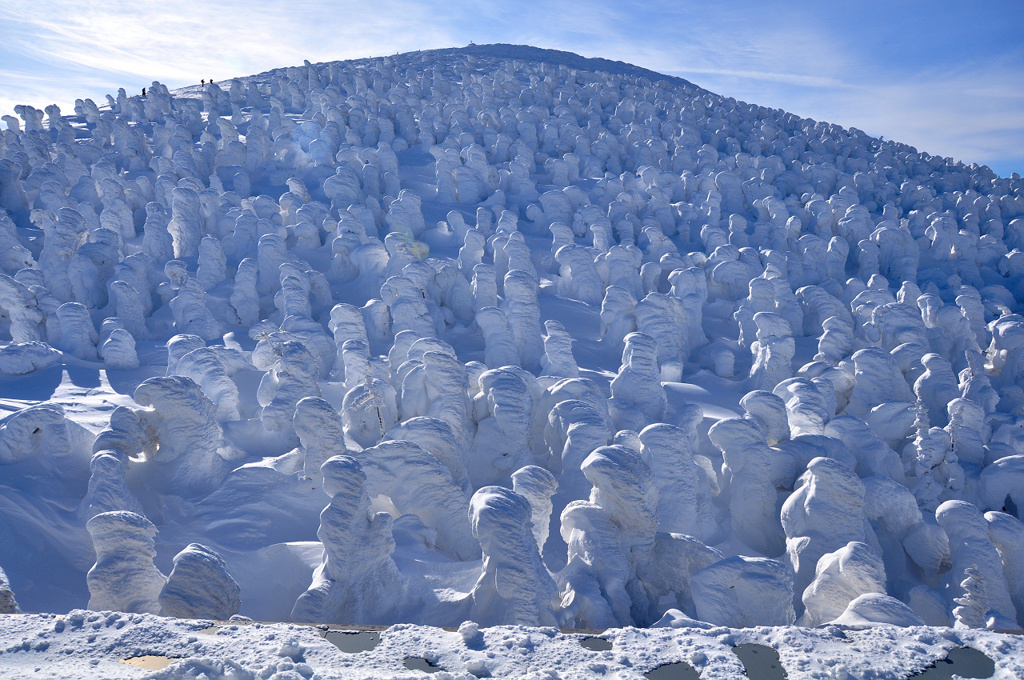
(946, 77)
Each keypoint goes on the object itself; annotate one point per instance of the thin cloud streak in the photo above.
(201, 39)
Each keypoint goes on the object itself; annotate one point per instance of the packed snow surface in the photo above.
(509, 336)
(116, 646)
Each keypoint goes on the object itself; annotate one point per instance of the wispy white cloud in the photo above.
(182, 42)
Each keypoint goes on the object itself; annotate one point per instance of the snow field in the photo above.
(507, 336)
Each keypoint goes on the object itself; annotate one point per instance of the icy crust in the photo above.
(86, 644)
(504, 335)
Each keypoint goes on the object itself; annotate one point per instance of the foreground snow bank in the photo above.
(85, 644)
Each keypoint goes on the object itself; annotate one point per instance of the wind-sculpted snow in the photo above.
(184, 440)
(124, 577)
(318, 427)
(684, 494)
(1007, 534)
(745, 470)
(972, 549)
(8, 605)
(565, 342)
(199, 586)
(415, 482)
(739, 591)
(824, 513)
(841, 577)
(514, 584)
(874, 608)
(358, 577)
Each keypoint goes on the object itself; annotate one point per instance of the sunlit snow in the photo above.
(507, 336)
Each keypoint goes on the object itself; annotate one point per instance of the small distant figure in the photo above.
(143, 92)
(202, 82)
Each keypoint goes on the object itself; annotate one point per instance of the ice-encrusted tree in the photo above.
(748, 487)
(537, 485)
(972, 607)
(839, 578)
(824, 513)
(684, 493)
(418, 484)
(291, 375)
(124, 577)
(514, 585)
(8, 605)
(199, 586)
(358, 580)
(971, 548)
(744, 591)
(638, 397)
(610, 536)
(321, 435)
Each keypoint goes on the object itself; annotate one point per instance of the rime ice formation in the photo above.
(610, 537)
(876, 608)
(118, 350)
(416, 482)
(839, 578)
(514, 585)
(744, 591)
(565, 342)
(973, 551)
(44, 441)
(21, 358)
(637, 395)
(746, 471)
(773, 350)
(199, 586)
(537, 485)
(124, 577)
(291, 375)
(358, 579)
(368, 411)
(214, 369)
(503, 409)
(108, 491)
(1007, 534)
(558, 359)
(824, 513)
(684, 493)
(8, 605)
(318, 427)
(77, 334)
(182, 437)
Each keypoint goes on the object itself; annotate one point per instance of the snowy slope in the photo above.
(506, 335)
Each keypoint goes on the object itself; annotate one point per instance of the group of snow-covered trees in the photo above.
(368, 279)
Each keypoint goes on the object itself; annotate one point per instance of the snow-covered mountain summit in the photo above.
(497, 52)
(509, 335)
